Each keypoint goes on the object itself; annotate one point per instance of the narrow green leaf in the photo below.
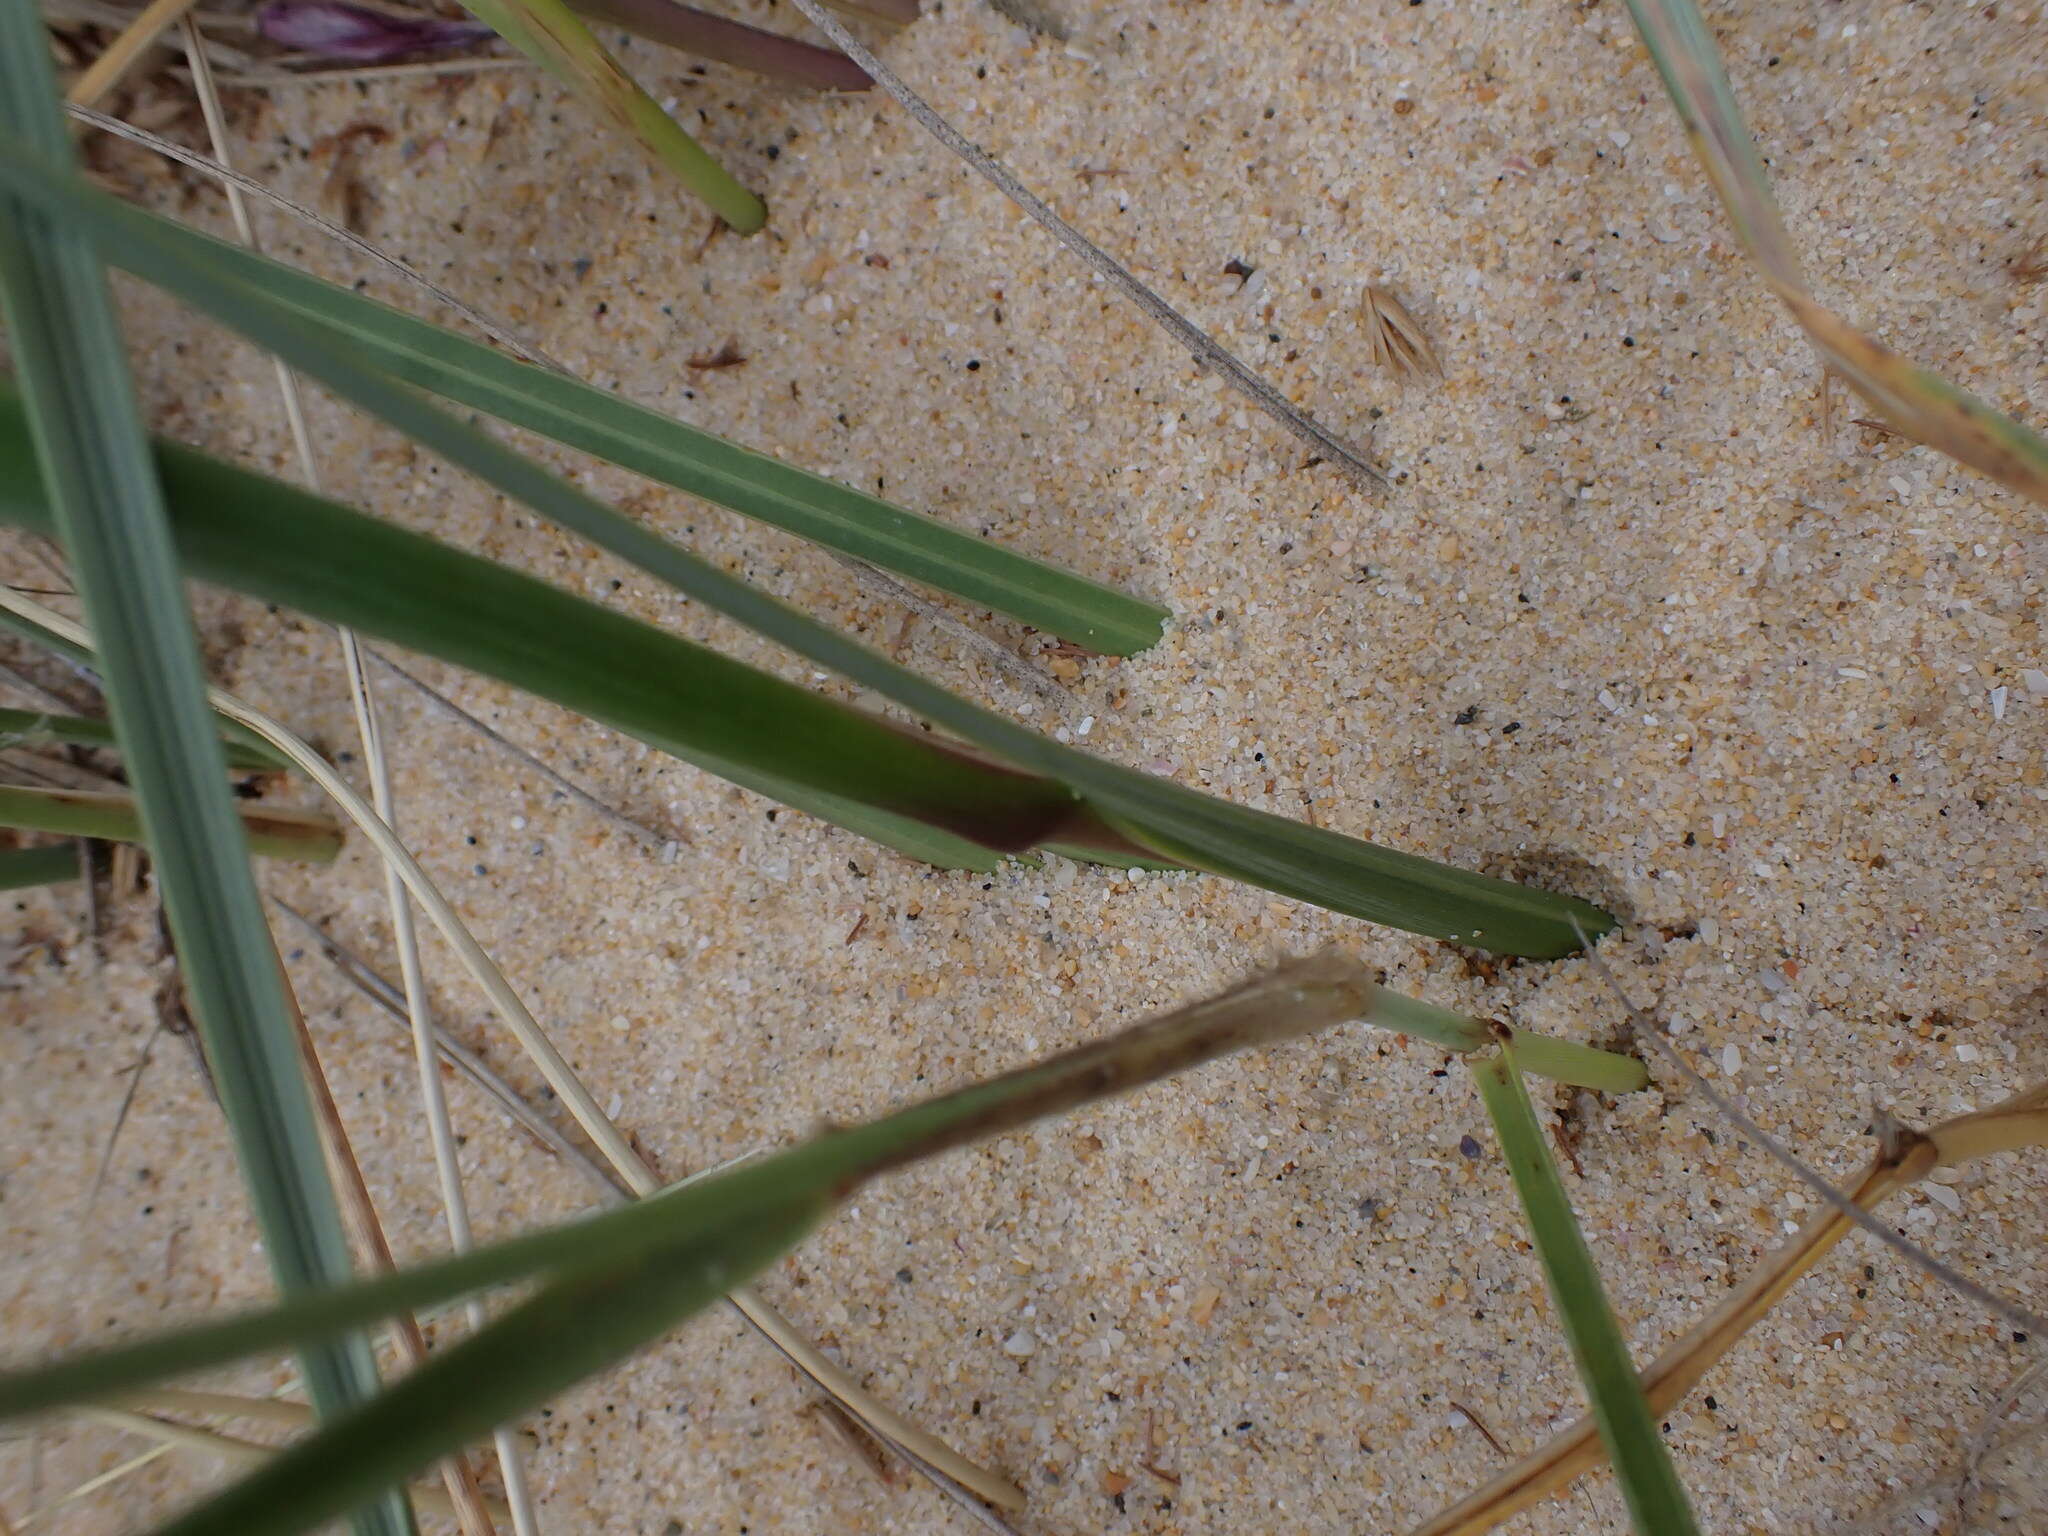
(1337, 872)
(94, 465)
(51, 864)
(572, 1328)
(1565, 1061)
(36, 728)
(843, 764)
(1920, 404)
(110, 815)
(795, 1187)
(791, 1186)
(558, 406)
(1656, 1501)
(555, 38)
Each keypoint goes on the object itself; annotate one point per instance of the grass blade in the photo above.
(1328, 869)
(2018, 1123)
(555, 38)
(276, 834)
(95, 467)
(843, 765)
(785, 1191)
(572, 1328)
(1649, 1483)
(52, 864)
(594, 421)
(247, 1453)
(36, 728)
(790, 1191)
(1565, 1061)
(1919, 404)
(730, 719)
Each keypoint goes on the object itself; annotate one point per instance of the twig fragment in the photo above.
(106, 71)
(1480, 1424)
(134, 1074)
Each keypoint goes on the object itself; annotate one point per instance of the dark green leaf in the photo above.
(557, 406)
(94, 465)
(51, 864)
(1288, 857)
(34, 728)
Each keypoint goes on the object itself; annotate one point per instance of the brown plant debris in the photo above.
(1396, 340)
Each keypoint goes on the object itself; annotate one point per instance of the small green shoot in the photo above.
(555, 38)
(38, 728)
(112, 816)
(1649, 1483)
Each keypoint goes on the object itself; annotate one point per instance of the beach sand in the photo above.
(1625, 623)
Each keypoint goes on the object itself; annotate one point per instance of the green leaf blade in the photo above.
(1642, 1462)
(1344, 874)
(578, 415)
(94, 463)
(23, 869)
(555, 38)
(35, 727)
(114, 817)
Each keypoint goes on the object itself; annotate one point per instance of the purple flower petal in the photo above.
(334, 29)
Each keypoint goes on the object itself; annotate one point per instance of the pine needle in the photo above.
(1209, 353)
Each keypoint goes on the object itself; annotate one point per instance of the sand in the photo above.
(1625, 623)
